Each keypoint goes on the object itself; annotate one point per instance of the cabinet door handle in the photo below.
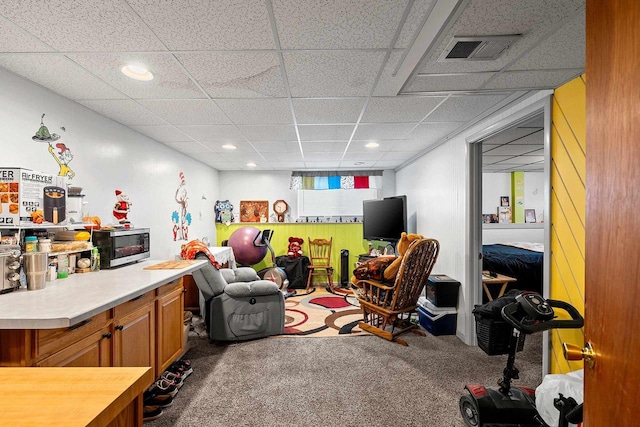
(184, 290)
(79, 325)
(107, 335)
(119, 327)
(136, 298)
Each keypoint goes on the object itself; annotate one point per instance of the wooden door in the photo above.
(170, 327)
(134, 338)
(612, 286)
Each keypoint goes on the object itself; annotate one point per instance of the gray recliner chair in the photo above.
(237, 305)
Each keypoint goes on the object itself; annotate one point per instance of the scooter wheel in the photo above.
(469, 411)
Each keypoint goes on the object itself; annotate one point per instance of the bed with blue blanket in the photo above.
(515, 261)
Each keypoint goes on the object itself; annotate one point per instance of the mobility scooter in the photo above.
(509, 406)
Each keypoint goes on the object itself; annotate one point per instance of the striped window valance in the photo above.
(328, 180)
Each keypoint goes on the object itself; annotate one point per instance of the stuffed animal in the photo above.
(295, 247)
(384, 268)
(403, 244)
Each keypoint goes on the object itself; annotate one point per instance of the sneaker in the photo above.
(171, 376)
(182, 368)
(153, 400)
(151, 413)
(163, 388)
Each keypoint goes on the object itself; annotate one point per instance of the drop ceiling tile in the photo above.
(387, 164)
(169, 81)
(511, 149)
(539, 152)
(363, 155)
(188, 147)
(15, 39)
(566, 48)
(213, 133)
(124, 111)
(257, 111)
(315, 146)
(236, 74)
(511, 134)
(186, 111)
(414, 21)
(351, 165)
(383, 131)
(293, 156)
(531, 159)
(276, 146)
(402, 109)
(286, 165)
(432, 132)
(241, 146)
(409, 146)
(327, 111)
(543, 79)
(447, 82)
(463, 108)
(319, 165)
(325, 132)
(403, 155)
(206, 25)
(533, 138)
(57, 75)
(337, 24)
(490, 160)
(85, 26)
(318, 156)
(163, 133)
(384, 145)
(228, 166)
(269, 133)
(334, 73)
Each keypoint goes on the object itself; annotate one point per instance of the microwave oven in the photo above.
(121, 246)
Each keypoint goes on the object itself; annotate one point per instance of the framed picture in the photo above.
(254, 210)
(504, 201)
(504, 214)
(530, 215)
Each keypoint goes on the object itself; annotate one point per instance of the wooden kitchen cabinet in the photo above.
(134, 337)
(192, 295)
(170, 324)
(91, 351)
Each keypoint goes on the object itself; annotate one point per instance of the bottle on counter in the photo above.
(44, 245)
(95, 259)
(30, 244)
(63, 266)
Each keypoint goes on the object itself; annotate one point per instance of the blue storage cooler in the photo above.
(437, 320)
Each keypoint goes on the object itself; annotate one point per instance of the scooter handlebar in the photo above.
(536, 325)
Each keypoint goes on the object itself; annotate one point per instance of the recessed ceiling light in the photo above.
(358, 163)
(137, 72)
(372, 144)
(229, 147)
(251, 165)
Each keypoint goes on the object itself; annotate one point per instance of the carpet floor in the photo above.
(355, 381)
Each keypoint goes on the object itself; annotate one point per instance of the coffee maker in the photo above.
(9, 267)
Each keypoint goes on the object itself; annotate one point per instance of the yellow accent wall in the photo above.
(568, 206)
(345, 236)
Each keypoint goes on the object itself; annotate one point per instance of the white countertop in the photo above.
(65, 302)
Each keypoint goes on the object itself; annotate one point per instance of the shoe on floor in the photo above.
(161, 401)
(176, 378)
(151, 413)
(163, 388)
(182, 367)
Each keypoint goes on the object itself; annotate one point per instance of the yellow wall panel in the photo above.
(568, 205)
(345, 236)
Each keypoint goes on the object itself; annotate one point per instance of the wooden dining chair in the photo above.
(320, 260)
(387, 307)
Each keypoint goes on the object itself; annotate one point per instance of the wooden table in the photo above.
(72, 396)
(500, 279)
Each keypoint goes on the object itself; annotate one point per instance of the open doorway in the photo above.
(519, 143)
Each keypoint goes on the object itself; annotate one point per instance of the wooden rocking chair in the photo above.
(390, 306)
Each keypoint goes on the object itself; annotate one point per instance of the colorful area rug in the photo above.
(322, 313)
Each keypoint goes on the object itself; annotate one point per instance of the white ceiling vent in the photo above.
(480, 48)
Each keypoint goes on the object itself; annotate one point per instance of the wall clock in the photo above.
(280, 207)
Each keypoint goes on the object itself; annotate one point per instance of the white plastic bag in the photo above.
(570, 385)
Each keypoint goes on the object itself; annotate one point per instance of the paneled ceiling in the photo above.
(519, 148)
(293, 84)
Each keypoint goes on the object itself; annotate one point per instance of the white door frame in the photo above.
(474, 210)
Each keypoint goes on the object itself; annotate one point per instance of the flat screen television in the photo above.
(384, 219)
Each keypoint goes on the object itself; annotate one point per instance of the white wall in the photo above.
(435, 185)
(274, 185)
(107, 156)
